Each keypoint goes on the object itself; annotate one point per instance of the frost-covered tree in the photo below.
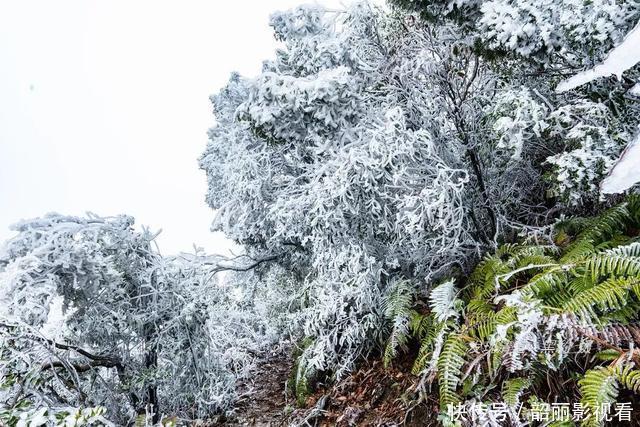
(553, 33)
(534, 45)
(94, 317)
(373, 150)
(381, 149)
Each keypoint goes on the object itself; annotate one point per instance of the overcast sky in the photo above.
(104, 106)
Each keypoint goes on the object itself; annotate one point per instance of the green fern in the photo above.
(607, 355)
(512, 390)
(629, 378)
(483, 325)
(599, 388)
(533, 261)
(578, 251)
(558, 297)
(420, 324)
(592, 279)
(606, 296)
(397, 308)
(428, 343)
(546, 281)
(604, 227)
(483, 279)
(572, 226)
(608, 264)
(624, 315)
(479, 306)
(450, 365)
(581, 282)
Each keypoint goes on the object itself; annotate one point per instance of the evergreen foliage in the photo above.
(529, 310)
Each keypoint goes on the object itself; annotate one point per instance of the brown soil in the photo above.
(371, 396)
(265, 398)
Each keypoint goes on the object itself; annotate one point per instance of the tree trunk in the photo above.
(151, 364)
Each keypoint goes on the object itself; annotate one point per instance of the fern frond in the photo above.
(629, 250)
(598, 388)
(483, 277)
(572, 226)
(578, 251)
(534, 260)
(607, 355)
(442, 300)
(546, 281)
(608, 264)
(557, 298)
(435, 334)
(399, 299)
(629, 378)
(483, 325)
(419, 324)
(602, 228)
(397, 308)
(450, 364)
(508, 258)
(607, 296)
(513, 388)
(507, 250)
(479, 306)
(519, 252)
(398, 339)
(581, 282)
(420, 364)
(506, 315)
(624, 315)
(607, 224)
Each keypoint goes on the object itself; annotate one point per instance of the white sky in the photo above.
(104, 106)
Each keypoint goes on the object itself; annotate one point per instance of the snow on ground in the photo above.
(620, 59)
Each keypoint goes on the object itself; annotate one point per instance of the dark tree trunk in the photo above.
(151, 363)
(151, 355)
(477, 170)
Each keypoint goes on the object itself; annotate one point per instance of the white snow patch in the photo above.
(626, 173)
(635, 90)
(620, 59)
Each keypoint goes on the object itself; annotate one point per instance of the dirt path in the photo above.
(372, 396)
(266, 394)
